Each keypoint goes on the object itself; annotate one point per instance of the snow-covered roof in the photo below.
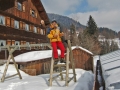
(74, 47)
(110, 64)
(37, 55)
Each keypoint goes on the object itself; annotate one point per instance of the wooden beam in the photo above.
(51, 72)
(67, 67)
(71, 58)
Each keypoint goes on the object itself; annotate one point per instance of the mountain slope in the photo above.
(64, 21)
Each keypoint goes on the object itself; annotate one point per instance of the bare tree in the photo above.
(74, 34)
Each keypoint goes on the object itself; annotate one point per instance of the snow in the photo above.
(85, 81)
(74, 47)
(34, 55)
(11, 70)
(95, 58)
(38, 55)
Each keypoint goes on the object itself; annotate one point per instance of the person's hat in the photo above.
(54, 21)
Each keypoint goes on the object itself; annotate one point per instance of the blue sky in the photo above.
(106, 13)
(83, 6)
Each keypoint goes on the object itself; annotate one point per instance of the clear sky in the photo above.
(106, 13)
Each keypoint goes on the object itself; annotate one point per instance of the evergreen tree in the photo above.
(89, 38)
(92, 27)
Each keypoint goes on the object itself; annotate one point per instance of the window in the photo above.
(19, 6)
(26, 27)
(32, 13)
(2, 20)
(17, 42)
(16, 24)
(35, 30)
(2, 42)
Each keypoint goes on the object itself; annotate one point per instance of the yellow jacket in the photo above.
(51, 35)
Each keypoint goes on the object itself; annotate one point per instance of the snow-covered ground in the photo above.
(85, 81)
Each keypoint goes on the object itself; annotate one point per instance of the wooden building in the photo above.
(20, 22)
(83, 59)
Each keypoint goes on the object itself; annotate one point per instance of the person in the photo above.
(55, 38)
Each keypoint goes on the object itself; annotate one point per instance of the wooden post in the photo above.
(69, 55)
(67, 67)
(61, 73)
(16, 67)
(5, 70)
(51, 71)
(71, 58)
(11, 50)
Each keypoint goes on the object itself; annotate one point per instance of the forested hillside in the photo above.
(66, 22)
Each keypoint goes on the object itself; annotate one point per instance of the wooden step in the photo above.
(60, 65)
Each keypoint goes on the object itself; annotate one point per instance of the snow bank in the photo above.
(84, 81)
(11, 70)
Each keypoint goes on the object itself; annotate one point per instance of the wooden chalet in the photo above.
(20, 23)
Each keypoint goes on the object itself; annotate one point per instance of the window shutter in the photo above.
(44, 32)
(12, 22)
(13, 42)
(8, 42)
(8, 21)
(30, 11)
(15, 3)
(41, 32)
(36, 14)
(30, 27)
(21, 25)
(23, 7)
(38, 30)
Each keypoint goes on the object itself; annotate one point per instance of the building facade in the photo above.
(20, 22)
